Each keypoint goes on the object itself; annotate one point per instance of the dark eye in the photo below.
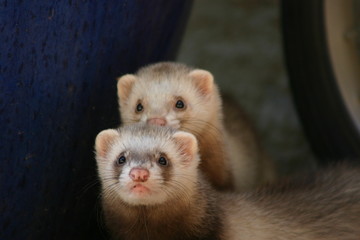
(179, 104)
(139, 107)
(162, 161)
(121, 160)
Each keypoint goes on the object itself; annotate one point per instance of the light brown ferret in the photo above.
(173, 94)
(152, 189)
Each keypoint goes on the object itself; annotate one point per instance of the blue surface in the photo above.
(58, 66)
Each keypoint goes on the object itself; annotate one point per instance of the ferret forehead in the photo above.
(143, 148)
(144, 142)
(142, 133)
(163, 87)
(156, 85)
(164, 68)
(145, 136)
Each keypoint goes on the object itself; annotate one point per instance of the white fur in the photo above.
(159, 98)
(122, 185)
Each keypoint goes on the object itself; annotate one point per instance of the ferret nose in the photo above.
(157, 121)
(139, 174)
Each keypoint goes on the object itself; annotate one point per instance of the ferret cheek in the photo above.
(134, 118)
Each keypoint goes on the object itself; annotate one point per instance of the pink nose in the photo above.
(139, 174)
(157, 121)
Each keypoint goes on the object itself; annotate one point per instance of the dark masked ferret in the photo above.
(173, 94)
(152, 189)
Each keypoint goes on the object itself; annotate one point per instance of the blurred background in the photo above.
(59, 61)
(240, 42)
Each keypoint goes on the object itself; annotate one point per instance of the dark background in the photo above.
(58, 66)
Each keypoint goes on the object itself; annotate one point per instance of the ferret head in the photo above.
(146, 165)
(169, 94)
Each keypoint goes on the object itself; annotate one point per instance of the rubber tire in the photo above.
(325, 119)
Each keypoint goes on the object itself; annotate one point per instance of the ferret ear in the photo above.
(124, 86)
(203, 80)
(187, 144)
(104, 140)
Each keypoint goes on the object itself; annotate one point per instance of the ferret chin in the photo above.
(173, 94)
(152, 189)
(141, 194)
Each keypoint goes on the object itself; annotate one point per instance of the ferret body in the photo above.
(144, 198)
(152, 189)
(173, 94)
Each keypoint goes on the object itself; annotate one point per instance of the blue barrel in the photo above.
(58, 66)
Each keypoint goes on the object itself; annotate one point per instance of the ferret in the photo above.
(152, 189)
(173, 94)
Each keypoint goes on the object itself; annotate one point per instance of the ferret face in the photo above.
(166, 96)
(145, 165)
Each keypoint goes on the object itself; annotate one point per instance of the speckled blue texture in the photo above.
(58, 66)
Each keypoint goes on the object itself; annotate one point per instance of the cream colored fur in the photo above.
(322, 207)
(232, 159)
(114, 144)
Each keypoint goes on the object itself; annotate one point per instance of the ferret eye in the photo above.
(180, 104)
(121, 160)
(162, 161)
(139, 107)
